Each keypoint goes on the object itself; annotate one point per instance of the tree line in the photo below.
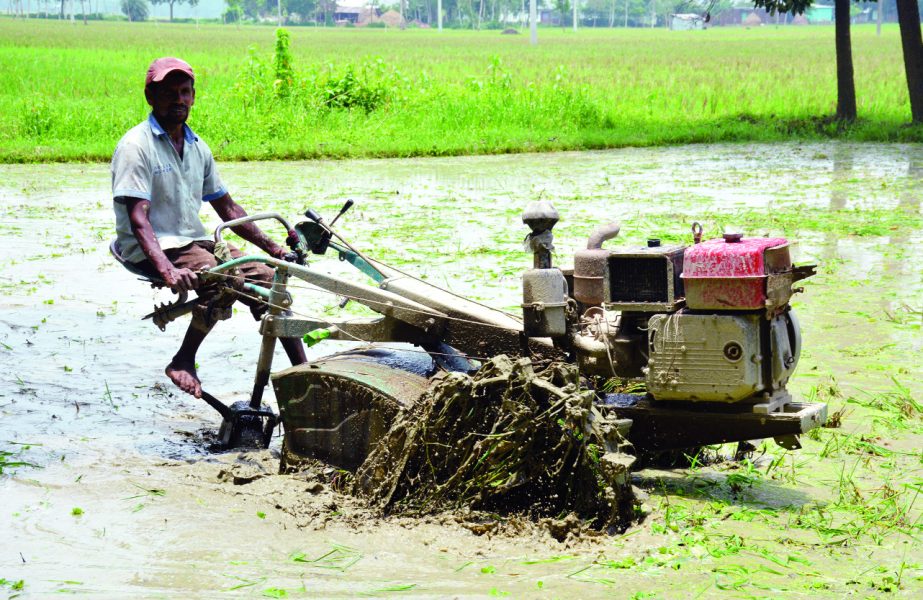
(908, 17)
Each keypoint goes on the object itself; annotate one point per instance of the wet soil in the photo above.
(121, 497)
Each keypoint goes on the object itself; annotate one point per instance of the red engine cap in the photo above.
(719, 258)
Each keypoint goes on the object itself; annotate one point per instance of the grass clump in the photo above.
(11, 460)
(16, 586)
(898, 402)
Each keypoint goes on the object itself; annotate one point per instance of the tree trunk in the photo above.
(845, 84)
(878, 10)
(908, 15)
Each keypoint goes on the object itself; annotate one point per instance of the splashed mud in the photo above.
(507, 440)
(108, 489)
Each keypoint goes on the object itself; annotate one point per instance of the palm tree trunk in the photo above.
(908, 15)
(845, 83)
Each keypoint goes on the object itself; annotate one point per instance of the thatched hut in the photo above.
(392, 18)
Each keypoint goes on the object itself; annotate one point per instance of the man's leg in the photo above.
(196, 256)
(181, 370)
(294, 349)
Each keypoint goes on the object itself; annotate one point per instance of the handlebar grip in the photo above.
(313, 215)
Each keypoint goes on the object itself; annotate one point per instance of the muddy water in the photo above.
(122, 497)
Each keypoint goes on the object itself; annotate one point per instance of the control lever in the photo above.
(321, 245)
(321, 240)
(347, 206)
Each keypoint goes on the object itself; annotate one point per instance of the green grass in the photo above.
(68, 92)
(10, 460)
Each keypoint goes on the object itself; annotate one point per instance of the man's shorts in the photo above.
(201, 255)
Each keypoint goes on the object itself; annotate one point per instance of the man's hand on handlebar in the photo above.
(282, 254)
(276, 251)
(180, 280)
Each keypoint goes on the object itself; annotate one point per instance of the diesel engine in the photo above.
(709, 323)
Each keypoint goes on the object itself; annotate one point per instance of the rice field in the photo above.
(69, 91)
(107, 491)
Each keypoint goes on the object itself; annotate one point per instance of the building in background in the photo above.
(355, 12)
(686, 21)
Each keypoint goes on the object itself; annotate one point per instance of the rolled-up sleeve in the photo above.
(212, 186)
(131, 173)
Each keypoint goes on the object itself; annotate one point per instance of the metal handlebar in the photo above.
(248, 219)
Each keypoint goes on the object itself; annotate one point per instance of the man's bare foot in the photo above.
(184, 376)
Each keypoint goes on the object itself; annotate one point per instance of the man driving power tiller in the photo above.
(162, 172)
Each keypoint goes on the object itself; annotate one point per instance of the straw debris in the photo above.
(507, 440)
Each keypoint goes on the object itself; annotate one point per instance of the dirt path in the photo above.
(120, 497)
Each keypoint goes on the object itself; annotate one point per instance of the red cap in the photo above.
(162, 67)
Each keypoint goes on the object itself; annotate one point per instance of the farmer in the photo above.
(162, 172)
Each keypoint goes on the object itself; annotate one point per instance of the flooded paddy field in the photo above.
(107, 487)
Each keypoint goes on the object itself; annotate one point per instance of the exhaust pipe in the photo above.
(601, 234)
(591, 267)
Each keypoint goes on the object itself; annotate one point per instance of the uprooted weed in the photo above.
(507, 439)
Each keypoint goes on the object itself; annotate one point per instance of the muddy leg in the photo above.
(181, 369)
(295, 350)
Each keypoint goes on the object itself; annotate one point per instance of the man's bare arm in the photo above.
(177, 279)
(228, 210)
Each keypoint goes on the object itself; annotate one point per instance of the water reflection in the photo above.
(899, 270)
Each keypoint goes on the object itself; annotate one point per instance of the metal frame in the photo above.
(413, 312)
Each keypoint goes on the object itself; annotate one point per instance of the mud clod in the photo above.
(560, 529)
(247, 468)
(507, 440)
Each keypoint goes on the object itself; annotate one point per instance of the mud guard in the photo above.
(337, 408)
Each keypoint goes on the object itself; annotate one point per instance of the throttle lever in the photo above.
(347, 206)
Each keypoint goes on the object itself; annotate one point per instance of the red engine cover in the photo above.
(727, 275)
